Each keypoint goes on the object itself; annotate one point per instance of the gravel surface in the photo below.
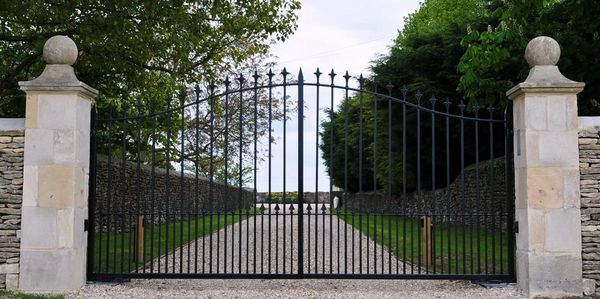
(328, 243)
(226, 258)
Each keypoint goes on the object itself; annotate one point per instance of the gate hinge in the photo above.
(86, 225)
(516, 227)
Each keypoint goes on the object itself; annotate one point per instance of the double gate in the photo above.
(275, 177)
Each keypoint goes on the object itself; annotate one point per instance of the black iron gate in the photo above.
(414, 188)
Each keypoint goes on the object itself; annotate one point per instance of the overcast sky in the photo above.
(345, 35)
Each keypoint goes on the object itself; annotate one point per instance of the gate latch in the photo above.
(86, 225)
(516, 227)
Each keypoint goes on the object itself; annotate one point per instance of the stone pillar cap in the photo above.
(60, 49)
(60, 53)
(542, 50)
(542, 54)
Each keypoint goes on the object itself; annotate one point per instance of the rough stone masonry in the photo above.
(11, 190)
(589, 167)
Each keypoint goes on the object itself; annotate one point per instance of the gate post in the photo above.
(56, 168)
(547, 176)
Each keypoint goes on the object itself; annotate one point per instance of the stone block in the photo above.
(544, 188)
(58, 111)
(31, 111)
(535, 113)
(66, 265)
(557, 115)
(55, 186)
(39, 228)
(531, 229)
(12, 282)
(30, 180)
(65, 146)
(589, 287)
(553, 275)
(9, 268)
(558, 149)
(563, 230)
(39, 147)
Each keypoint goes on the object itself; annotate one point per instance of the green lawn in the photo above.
(120, 256)
(456, 249)
(18, 295)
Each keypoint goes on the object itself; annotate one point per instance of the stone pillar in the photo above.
(56, 168)
(546, 159)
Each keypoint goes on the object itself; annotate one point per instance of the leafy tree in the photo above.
(423, 59)
(493, 61)
(137, 50)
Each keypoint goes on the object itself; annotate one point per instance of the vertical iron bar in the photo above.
(168, 183)
(241, 181)
(284, 73)
(331, 169)
(509, 188)
(300, 174)
(153, 188)
(139, 188)
(196, 181)
(181, 200)
(404, 199)
(255, 169)
(463, 209)
(270, 74)
(211, 175)
(434, 211)
(418, 98)
(361, 81)
(491, 189)
(112, 221)
(92, 198)
(226, 176)
(123, 179)
(346, 118)
(389, 173)
(478, 210)
(317, 74)
(448, 199)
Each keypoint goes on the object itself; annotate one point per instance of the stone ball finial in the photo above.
(542, 50)
(60, 49)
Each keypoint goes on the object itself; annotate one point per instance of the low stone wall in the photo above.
(122, 193)
(589, 169)
(11, 193)
(483, 193)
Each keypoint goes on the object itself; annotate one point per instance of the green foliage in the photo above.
(112, 250)
(143, 50)
(17, 295)
(423, 58)
(403, 238)
(493, 61)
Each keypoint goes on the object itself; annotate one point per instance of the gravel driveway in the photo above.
(363, 254)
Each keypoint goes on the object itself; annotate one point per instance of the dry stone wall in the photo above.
(11, 194)
(589, 169)
(122, 193)
(483, 191)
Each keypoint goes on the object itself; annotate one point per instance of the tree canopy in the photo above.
(465, 51)
(137, 49)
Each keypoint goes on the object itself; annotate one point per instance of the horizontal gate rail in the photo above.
(209, 183)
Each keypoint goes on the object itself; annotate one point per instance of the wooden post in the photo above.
(139, 239)
(426, 225)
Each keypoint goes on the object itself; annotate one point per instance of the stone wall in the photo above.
(11, 193)
(483, 193)
(589, 169)
(158, 197)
